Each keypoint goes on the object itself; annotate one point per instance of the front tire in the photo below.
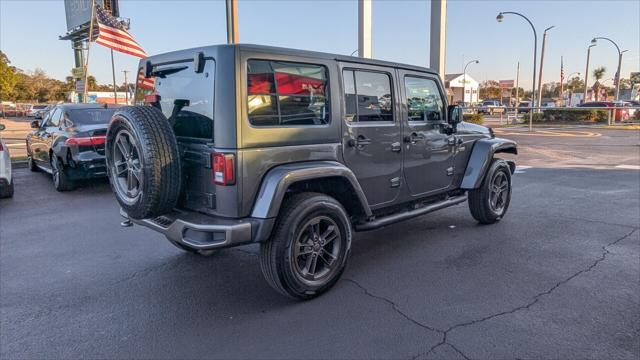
(309, 247)
(489, 203)
(32, 164)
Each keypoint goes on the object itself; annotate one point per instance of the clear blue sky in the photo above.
(29, 32)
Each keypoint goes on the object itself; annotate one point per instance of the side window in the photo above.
(54, 119)
(424, 102)
(286, 93)
(368, 96)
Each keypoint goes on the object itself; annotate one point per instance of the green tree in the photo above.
(575, 84)
(489, 89)
(8, 77)
(598, 74)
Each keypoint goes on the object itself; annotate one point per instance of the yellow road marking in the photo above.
(551, 133)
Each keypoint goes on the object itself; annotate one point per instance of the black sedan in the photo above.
(69, 143)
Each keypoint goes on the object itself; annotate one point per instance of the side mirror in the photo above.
(2, 127)
(35, 124)
(454, 115)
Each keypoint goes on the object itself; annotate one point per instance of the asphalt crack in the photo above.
(534, 300)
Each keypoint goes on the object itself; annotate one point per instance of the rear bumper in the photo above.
(88, 169)
(202, 232)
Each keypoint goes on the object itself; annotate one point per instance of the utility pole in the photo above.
(126, 87)
(232, 22)
(438, 36)
(517, 85)
(586, 73)
(544, 44)
(364, 29)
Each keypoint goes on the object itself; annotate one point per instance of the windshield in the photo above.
(39, 107)
(489, 103)
(91, 116)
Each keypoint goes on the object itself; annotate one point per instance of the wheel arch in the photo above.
(327, 177)
(481, 156)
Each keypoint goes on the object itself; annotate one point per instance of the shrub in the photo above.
(585, 115)
(538, 117)
(474, 118)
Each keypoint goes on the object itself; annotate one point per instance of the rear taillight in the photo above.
(1, 147)
(86, 141)
(223, 168)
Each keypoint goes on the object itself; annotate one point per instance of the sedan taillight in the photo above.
(86, 141)
(223, 168)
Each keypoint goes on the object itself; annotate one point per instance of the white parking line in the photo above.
(629, 167)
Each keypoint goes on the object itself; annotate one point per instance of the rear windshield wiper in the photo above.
(162, 73)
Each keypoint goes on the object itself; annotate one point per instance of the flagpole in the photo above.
(86, 64)
(113, 72)
(562, 81)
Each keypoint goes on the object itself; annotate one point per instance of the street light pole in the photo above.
(586, 73)
(570, 91)
(544, 45)
(499, 18)
(617, 77)
(464, 82)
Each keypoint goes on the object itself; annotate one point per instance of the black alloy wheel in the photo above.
(127, 170)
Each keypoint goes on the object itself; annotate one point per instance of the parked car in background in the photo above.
(69, 143)
(621, 113)
(40, 110)
(6, 178)
(524, 107)
(491, 107)
(30, 110)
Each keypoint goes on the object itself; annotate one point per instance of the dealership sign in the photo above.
(78, 12)
(506, 84)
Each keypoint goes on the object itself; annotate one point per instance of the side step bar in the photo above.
(377, 223)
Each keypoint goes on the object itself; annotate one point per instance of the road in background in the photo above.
(556, 278)
(14, 135)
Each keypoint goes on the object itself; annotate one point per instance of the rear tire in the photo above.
(308, 250)
(489, 203)
(61, 180)
(143, 162)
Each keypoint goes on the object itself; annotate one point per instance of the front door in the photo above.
(428, 151)
(372, 139)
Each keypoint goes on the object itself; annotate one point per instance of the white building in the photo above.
(455, 83)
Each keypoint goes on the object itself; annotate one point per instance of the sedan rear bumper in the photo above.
(202, 232)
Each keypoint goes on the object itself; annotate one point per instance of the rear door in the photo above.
(372, 139)
(428, 153)
(185, 97)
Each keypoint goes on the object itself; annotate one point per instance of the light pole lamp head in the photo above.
(594, 41)
(500, 17)
(478, 61)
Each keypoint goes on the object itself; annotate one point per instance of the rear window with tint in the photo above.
(186, 97)
(90, 116)
(286, 93)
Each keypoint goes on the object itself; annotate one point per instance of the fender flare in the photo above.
(480, 159)
(278, 180)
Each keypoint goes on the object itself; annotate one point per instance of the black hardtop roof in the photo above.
(188, 54)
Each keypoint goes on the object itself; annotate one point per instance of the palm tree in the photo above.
(598, 74)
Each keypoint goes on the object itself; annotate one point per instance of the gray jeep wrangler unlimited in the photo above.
(295, 150)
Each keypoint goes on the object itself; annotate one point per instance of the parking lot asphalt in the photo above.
(558, 277)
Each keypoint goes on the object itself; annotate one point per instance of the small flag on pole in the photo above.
(113, 34)
(145, 83)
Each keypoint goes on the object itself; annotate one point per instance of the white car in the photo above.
(6, 180)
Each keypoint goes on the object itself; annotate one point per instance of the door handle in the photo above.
(413, 138)
(396, 147)
(359, 142)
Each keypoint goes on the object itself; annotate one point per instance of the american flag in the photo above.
(113, 34)
(145, 83)
(561, 70)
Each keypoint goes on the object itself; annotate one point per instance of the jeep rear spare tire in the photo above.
(143, 161)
